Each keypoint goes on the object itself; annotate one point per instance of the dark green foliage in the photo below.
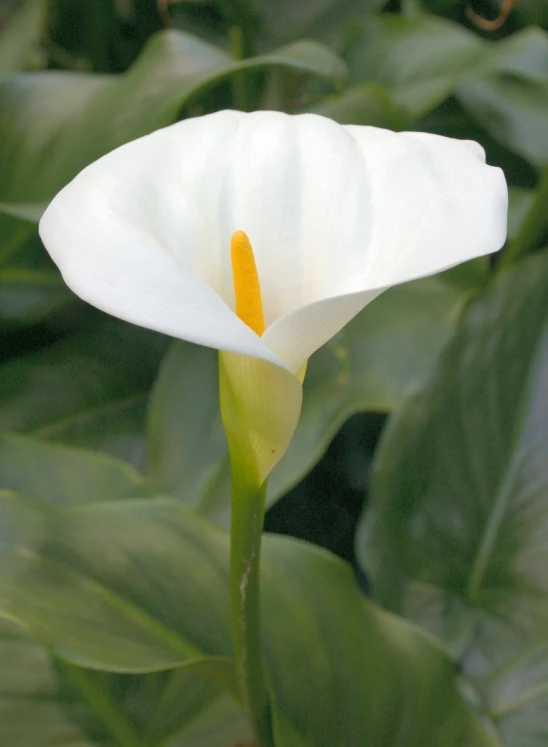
(122, 587)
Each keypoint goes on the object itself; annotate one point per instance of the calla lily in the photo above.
(333, 216)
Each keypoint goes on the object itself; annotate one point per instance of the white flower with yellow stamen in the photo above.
(167, 231)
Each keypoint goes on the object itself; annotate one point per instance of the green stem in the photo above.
(239, 93)
(248, 505)
(242, 14)
(533, 228)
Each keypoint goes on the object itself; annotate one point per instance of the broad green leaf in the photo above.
(517, 699)
(28, 296)
(25, 211)
(370, 365)
(62, 475)
(303, 56)
(220, 723)
(32, 709)
(44, 703)
(519, 203)
(527, 221)
(39, 155)
(421, 61)
(147, 709)
(113, 598)
(362, 104)
(524, 53)
(375, 677)
(20, 36)
(31, 288)
(513, 109)
(326, 20)
(187, 448)
(144, 585)
(455, 534)
(90, 389)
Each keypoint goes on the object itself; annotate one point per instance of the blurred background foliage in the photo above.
(421, 457)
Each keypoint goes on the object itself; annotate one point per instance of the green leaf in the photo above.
(20, 37)
(531, 232)
(31, 288)
(382, 354)
(326, 20)
(363, 104)
(454, 537)
(524, 53)
(339, 658)
(25, 211)
(520, 202)
(186, 442)
(423, 60)
(144, 585)
(116, 108)
(63, 475)
(124, 708)
(303, 56)
(32, 710)
(28, 296)
(419, 60)
(221, 722)
(182, 707)
(90, 389)
(517, 699)
(44, 703)
(513, 110)
(131, 609)
(39, 155)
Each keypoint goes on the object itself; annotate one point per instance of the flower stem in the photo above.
(248, 505)
(239, 80)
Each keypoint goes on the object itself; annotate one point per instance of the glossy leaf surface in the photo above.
(62, 475)
(422, 61)
(455, 537)
(89, 389)
(38, 156)
(32, 709)
(76, 707)
(517, 699)
(143, 585)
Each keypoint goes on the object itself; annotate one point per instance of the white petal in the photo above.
(296, 336)
(430, 203)
(335, 215)
(434, 204)
(132, 238)
(334, 210)
(142, 232)
(298, 188)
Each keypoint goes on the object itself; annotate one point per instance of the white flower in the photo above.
(161, 231)
(335, 215)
